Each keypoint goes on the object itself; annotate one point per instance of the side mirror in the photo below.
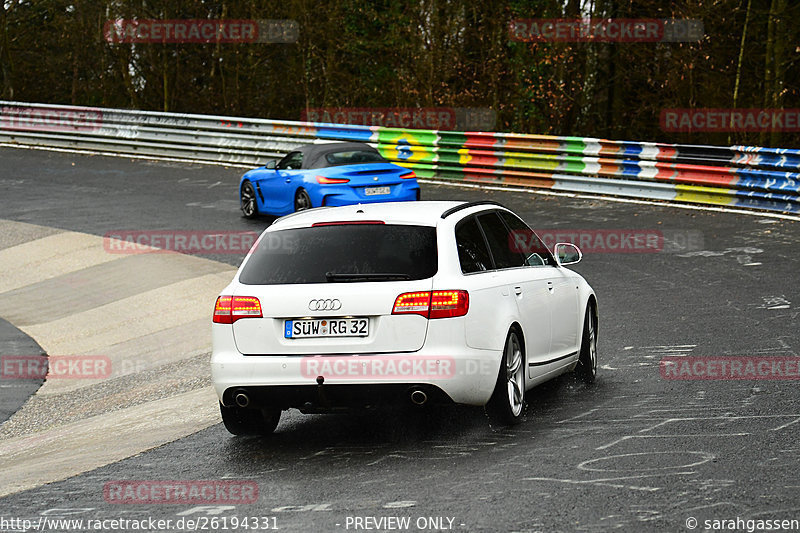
(567, 253)
(271, 165)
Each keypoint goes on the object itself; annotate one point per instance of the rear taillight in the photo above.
(325, 180)
(408, 176)
(445, 304)
(435, 304)
(415, 303)
(229, 309)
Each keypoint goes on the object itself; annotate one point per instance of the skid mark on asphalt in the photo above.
(775, 302)
(666, 452)
(676, 350)
(706, 428)
(614, 481)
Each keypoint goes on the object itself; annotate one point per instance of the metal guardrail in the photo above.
(761, 178)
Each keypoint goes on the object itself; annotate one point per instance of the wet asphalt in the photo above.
(635, 451)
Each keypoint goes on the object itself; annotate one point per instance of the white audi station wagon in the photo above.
(414, 303)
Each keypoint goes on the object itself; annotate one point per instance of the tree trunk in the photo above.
(6, 68)
(739, 63)
(777, 18)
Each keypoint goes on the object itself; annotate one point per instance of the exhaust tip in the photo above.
(241, 399)
(418, 397)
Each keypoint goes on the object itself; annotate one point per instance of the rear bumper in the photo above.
(327, 398)
(463, 375)
(404, 192)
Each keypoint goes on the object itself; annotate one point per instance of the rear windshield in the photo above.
(340, 253)
(353, 157)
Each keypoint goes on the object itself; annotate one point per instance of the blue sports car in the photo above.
(330, 174)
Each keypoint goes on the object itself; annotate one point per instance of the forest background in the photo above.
(417, 54)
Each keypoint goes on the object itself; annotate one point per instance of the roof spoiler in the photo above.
(466, 205)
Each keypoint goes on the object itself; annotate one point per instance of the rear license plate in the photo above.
(374, 191)
(326, 327)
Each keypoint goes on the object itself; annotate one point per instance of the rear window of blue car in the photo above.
(353, 157)
(342, 253)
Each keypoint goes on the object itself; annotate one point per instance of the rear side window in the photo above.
(472, 252)
(353, 157)
(505, 255)
(523, 239)
(341, 253)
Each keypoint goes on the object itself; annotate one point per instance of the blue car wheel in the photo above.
(248, 200)
(302, 201)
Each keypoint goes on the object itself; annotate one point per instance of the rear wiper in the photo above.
(371, 276)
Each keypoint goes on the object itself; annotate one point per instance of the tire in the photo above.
(239, 421)
(302, 201)
(247, 200)
(586, 369)
(507, 404)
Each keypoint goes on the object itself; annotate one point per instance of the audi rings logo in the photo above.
(325, 305)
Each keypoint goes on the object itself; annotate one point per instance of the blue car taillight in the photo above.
(323, 180)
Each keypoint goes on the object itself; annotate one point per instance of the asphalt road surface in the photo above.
(639, 450)
(14, 391)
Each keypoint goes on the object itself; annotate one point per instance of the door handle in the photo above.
(517, 290)
(550, 286)
(288, 180)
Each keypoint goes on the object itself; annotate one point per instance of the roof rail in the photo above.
(465, 205)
